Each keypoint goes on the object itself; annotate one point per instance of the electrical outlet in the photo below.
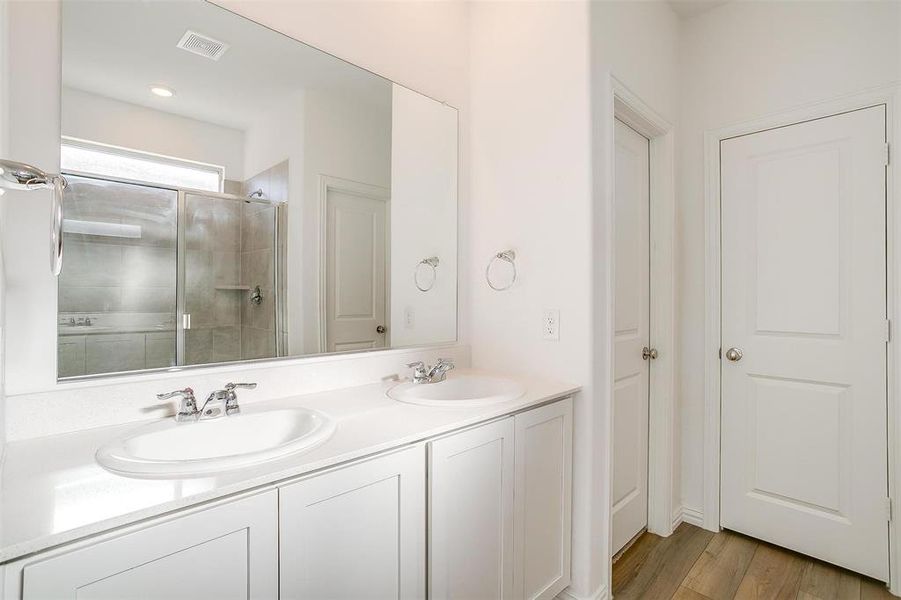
(409, 318)
(550, 325)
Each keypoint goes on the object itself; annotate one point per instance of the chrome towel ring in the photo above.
(16, 175)
(508, 256)
(431, 262)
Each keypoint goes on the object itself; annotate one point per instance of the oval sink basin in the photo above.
(461, 391)
(172, 449)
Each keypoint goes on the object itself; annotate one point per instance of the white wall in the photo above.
(538, 160)
(100, 119)
(423, 219)
(529, 156)
(742, 61)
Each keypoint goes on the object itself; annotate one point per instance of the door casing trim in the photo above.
(890, 97)
(628, 107)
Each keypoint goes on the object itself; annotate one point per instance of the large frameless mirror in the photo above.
(236, 195)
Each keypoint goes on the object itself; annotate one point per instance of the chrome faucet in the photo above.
(187, 410)
(435, 374)
(227, 399)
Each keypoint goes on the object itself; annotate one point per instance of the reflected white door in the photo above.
(632, 327)
(355, 266)
(804, 300)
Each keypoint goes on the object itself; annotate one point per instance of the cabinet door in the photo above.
(227, 552)
(357, 532)
(71, 355)
(108, 353)
(471, 512)
(543, 500)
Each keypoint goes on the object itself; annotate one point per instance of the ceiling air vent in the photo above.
(202, 45)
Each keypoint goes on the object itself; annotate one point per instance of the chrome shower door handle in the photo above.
(734, 354)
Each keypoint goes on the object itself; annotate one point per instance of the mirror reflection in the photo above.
(237, 195)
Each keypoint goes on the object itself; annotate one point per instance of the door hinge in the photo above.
(719, 353)
(886, 155)
(888, 330)
(888, 509)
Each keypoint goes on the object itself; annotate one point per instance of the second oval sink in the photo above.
(169, 448)
(460, 390)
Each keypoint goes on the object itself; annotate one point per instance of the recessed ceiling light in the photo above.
(162, 91)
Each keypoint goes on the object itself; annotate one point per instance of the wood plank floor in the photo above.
(695, 564)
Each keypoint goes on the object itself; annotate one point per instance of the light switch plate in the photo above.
(550, 325)
(409, 318)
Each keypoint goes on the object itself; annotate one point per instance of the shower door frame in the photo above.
(181, 266)
(180, 270)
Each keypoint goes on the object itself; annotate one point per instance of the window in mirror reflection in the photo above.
(131, 165)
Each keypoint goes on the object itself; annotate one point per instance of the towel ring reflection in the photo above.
(508, 256)
(432, 263)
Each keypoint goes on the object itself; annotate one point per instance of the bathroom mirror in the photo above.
(235, 194)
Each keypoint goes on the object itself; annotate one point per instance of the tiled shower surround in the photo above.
(117, 295)
(258, 267)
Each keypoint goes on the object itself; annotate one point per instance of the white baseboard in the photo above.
(600, 594)
(686, 514)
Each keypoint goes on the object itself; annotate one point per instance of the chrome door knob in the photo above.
(734, 354)
(381, 329)
(649, 353)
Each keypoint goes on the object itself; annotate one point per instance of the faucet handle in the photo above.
(233, 386)
(416, 365)
(188, 407)
(187, 394)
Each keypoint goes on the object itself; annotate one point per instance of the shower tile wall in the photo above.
(258, 221)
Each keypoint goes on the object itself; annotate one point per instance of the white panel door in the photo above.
(632, 330)
(355, 266)
(357, 532)
(542, 501)
(228, 552)
(471, 514)
(804, 301)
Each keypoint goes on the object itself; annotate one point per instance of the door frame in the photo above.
(629, 108)
(364, 190)
(890, 97)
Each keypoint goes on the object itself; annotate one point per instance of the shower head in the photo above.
(16, 175)
(256, 194)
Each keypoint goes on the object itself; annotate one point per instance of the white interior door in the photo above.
(632, 327)
(804, 301)
(356, 271)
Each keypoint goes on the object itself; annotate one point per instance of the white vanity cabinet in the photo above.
(228, 551)
(356, 532)
(500, 508)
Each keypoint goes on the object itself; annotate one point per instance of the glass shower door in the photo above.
(227, 295)
(117, 289)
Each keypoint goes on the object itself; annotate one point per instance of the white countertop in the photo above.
(54, 492)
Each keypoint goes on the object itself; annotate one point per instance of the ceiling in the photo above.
(119, 49)
(690, 8)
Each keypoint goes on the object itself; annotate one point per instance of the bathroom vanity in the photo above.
(403, 501)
